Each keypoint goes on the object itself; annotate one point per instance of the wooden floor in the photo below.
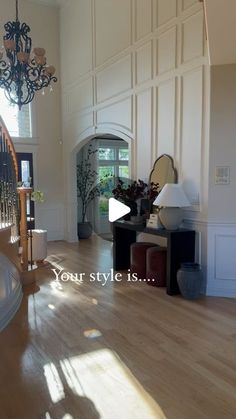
(121, 351)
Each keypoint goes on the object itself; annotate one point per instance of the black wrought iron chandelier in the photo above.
(22, 75)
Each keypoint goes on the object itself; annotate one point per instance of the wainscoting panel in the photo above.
(166, 117)
(225, 266)
(115, 79)
(51, 218)
(144, 133)
(166, 11)
(143, 63)
(119, 113)
(193, 37)
(113, 27)
(143, 18)
(221, 260)
(166, 51)
(191, 139)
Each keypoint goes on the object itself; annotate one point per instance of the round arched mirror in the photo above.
(163, 171)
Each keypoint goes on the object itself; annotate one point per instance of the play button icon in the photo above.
(117, 209)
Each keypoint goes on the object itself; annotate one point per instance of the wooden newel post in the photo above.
(23, 193)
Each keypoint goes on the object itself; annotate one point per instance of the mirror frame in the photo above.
(172, 165)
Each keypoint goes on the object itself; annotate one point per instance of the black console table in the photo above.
(180, 248)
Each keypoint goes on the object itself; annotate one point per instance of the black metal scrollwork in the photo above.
(22, 77)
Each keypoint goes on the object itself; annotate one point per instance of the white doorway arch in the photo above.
(70, 176)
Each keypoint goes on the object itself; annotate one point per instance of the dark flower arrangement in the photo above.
(136, 190)
(153, 191)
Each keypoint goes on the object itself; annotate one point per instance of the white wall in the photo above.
(220, 17)
(222, 199)
(137, 69)
(47, 152)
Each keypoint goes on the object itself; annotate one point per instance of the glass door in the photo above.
(26, 175)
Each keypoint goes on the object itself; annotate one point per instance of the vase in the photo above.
(133, 209)
(145, 207)
(189, 278)
(84, 230)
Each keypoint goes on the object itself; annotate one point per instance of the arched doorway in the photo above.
(71, 210)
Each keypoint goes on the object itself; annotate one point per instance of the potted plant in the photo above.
(87, 190)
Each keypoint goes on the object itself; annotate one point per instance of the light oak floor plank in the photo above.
(120, 351)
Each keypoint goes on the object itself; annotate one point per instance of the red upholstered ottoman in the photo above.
(138, 258)
(156, 266)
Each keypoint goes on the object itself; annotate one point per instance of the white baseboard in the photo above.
(220, 292)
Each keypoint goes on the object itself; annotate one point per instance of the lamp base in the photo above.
(171, 217)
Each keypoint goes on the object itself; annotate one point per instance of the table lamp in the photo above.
(171, 198)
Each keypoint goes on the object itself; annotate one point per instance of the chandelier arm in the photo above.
(17, 11)
(25, 29)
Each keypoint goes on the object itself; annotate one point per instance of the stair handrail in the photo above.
(10, 144)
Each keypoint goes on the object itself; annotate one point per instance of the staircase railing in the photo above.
(8, 180)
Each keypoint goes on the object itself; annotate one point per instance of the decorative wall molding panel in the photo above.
(167, 51)
(51, 218)
(191, 131)
(77, 124)
(81, 97)
(144, 133)
(166, 11)
(193, 37)
(186, 4)
(144, 63)
(114, 114)
(221, 260)
(166, 121)
(115, 79)
(147, 83)
(225, 261)
(113, 28)
(143, 18)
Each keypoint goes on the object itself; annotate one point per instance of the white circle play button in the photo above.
(117, 209)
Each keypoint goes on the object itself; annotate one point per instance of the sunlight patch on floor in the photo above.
(104, 379)
(57, 288)
(71, 377)
(54, 383)
(92, 333)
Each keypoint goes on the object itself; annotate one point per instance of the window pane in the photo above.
(103, 205)
(106, 154)
(123, 171)
(105, 171)
(28, 207)
(25, 171)
(123, 154)
(18, 122)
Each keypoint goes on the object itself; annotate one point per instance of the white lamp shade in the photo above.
(172, 195)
